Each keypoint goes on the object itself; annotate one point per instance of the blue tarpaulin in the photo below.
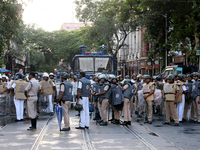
(4, 71)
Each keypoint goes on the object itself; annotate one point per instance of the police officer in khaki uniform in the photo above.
(47, 87)
(19, 86)
(71, 79)
(31, 91)
(170, 95)
(65, 98)
(148, 94)
(51, 76)
(128, 93)
(104, 95)
(3, 86)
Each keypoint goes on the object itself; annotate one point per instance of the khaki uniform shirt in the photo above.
(32, 87)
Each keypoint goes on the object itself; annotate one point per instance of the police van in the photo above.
(179, 69)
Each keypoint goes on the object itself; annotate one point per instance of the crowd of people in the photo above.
(178, 94)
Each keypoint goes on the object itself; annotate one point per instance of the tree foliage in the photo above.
(9, 22)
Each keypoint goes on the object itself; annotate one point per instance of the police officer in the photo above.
(196, 98)
(3, 87)
(104, 95)
(31, 93)
(188, 100)
(170, 95)
(159, 85)
(134, 78)
(128, 93)
(71, 79)
(120, 79)
(19, 86)
(95, 89)
(83, 99)
(58, 78)
(47, 87)
(51, 76)
(148, 94)
(139, 85)
(117, 99)
(181, 98)
(65, 98)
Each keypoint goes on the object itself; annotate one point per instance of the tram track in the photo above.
(41, 135)
(140, 138)
(87, 142)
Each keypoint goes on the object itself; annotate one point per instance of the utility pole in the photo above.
(165, 39)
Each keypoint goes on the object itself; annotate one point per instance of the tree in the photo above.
(110, 25)
(9, 22)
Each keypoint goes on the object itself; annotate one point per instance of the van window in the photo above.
(177, 72)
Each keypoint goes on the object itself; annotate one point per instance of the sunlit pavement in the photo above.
(15, 135)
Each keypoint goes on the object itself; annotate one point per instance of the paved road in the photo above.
(139, 136)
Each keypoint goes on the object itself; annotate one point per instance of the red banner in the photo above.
(149, 67)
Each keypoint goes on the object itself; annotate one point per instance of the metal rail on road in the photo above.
(151, 147)
(87, 145)
(40, 136)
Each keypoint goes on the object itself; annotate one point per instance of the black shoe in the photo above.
(146, 121)
(51, 114)
(139, 116)
(136, 112)
(32, 129)
(65, 129)
(176, 124)
(129, 123)
(22, 120)
(184, 120)
(17, 120)
(86, 127)
(150, 122)
(79, 127)
(99, 121)
(166, 123)
(77, 115)
(115, 121)
(103, 124)
(192, 121)
(125, 123)
(198, 122)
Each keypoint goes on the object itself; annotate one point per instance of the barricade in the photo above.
(43, 103)
(2, 105)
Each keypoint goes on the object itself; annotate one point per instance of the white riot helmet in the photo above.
(4, 76)
(45, 75)
(51, 74)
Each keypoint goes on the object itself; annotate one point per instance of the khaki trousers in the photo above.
(149, 109)
(66, 107)
(32, 107)
(197, 109)
(171, 107)
(116, 113)
(103, 106)
(126, 110)
(99, 107)
(131, 104)
(136, 103)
